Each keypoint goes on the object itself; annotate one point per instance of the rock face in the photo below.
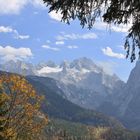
(82, 81)
(58, 107)
(127, 102)
(130, 100)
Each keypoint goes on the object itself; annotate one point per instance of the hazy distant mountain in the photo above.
(127, 102)
(19, 67)
(130, 99)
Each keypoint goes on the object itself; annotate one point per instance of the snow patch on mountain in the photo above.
(47, 69)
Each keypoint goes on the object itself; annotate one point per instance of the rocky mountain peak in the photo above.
(84, 63)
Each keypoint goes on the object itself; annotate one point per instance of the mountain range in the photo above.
(82, 81)
(86, 84)
(57, 107)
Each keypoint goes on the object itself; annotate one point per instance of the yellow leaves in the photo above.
(2, 118)
(6, 133)
(9, 132)
(29, 110)
(23, 104)
(3, 97)
(32, 94)
(99, 133)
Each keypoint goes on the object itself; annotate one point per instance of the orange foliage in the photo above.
(22, 118)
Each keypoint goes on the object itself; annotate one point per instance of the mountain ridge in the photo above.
(55, 106)
(79, 76)
(86, 85)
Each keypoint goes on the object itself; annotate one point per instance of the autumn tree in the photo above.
(3, 111)
(20, 117)
(112, 11)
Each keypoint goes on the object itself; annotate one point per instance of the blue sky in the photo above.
(29, 33)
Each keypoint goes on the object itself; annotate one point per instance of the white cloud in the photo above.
(109, 52)
(55, 15)
(22, 37)
(122, 28)
(88, 36)
(15, 6)
(72, 47)
(76, 36)
(4, 29)
(59, 42)
(37, 3)
(11, 6)
(50, 48)
(100, 25)
(10, 53)
(7, 29)
(108, 67)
